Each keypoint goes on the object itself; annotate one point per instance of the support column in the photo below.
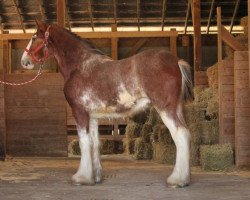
(114, 44)
(196, 16)
(61, 13)
(2, 107)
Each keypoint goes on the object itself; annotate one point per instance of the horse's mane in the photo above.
(88, 44)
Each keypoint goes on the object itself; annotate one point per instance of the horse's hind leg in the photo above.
(84, 175)
(173, 119)
(97, 167)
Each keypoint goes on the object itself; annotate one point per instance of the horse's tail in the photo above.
(187, 84)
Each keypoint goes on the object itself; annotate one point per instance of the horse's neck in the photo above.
(69, 54)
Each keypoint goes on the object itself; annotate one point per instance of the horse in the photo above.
(97, 86)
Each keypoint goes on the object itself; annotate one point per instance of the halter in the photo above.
(44, 45)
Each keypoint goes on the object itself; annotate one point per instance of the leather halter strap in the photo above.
(43, 45)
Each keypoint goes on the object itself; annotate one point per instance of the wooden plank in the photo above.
(136, 47)
(197, 34)
(230, 40)
(237, 3)
(138, 13)
(114, 44)
(173, 44)
(91, 35)
(2, 108)
(115, 12)
(19, 15)
(219, 41)
(187, 16)
(249, 40)
(61, 13)
(210, 15)
(90, 14)
(164, 5)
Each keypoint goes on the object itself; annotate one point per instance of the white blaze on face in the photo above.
(26, 60)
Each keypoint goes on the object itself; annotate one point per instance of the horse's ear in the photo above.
(41, 25)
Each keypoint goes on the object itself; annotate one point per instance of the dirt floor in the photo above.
(124, 178)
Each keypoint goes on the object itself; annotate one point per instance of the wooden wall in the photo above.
(2, 113)
(242, 109)
(36, 116)
(226, 99)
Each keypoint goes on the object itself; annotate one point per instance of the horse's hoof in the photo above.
(176, 183)
(82, 180)
(98, 177)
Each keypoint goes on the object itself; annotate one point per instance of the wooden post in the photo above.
(114, 44)
(219, 42)
(197, 35)
(173, 44)
(6, 56)
(2, 107)
(61, 13)
(249, 39)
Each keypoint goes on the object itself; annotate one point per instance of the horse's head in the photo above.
(37, 49)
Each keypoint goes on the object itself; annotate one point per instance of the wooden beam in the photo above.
(67, 15)
(230, 40)
(91, 14)
(138, 13)
(115, 12)
(2, 107)
(41, 8)
(173, 44)
(19, 15)
(164, 5)
(61, 13)
(197, 34)
(1, 25)
(138, 45)
(187, 16)
(237, 3)
(210, 15)
(90, 35)
(219, 41)
(114, 44)
(249, 41)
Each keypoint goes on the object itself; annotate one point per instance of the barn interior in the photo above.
(39, 146)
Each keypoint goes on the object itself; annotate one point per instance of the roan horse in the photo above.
(96, 86)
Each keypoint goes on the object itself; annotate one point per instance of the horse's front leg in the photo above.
(84, 175)
(97, 167)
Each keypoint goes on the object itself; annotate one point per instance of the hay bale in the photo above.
(129, 145)
(146, 132)
(143, 150)
(212, 74)
(229, 52)
(203, 96)
(133, 129)
(74, 148)
(154, 118)
(196, 131)
(212, 110)
(193, 113)
(210, 132)
(216, 157)
(244, 24)
(140, 117)
(194, 154)
(107, 146)
(164, 153)
(163, 134)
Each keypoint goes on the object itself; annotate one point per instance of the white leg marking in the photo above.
(181, 174)
(97, 167)
(84, 175)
